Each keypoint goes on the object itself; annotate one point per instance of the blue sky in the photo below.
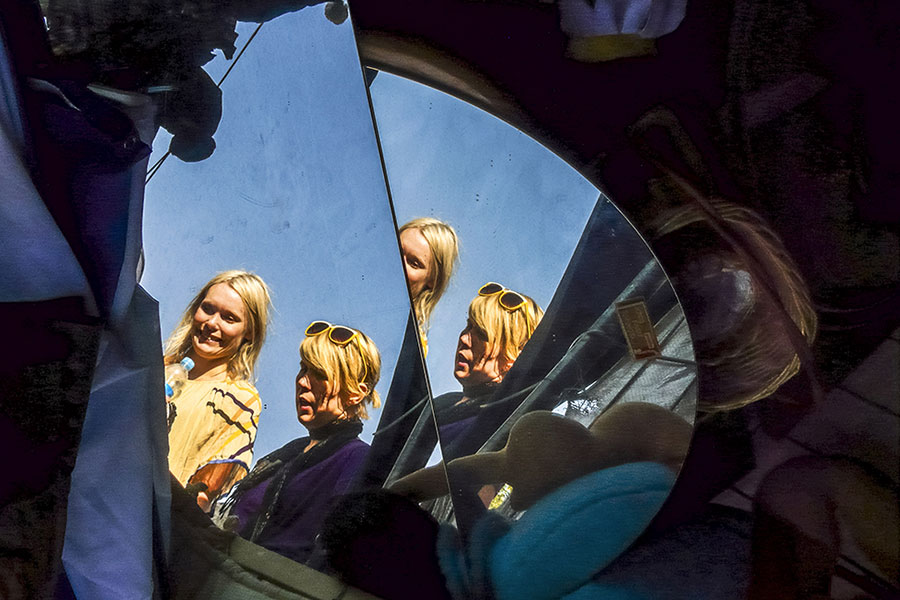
(294, 192)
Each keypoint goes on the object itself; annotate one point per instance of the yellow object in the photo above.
(602, 48)
(340, 335)
(501, 497)
(215, 423)
(423, 340)
(508, 299)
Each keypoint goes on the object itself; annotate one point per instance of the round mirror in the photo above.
(558, 356)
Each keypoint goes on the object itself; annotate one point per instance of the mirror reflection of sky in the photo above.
(294, 192)
(518, 209)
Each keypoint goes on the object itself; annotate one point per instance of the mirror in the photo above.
(557, 401)
(293, 192)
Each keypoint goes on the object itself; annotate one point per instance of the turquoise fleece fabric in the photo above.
(576, 531)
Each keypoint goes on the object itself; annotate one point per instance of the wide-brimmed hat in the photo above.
(545, 451)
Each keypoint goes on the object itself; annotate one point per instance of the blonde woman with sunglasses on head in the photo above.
(500, 323)
(283, 501)
(430, 251)
(215, 415)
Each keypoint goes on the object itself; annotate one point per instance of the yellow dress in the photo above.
(215, 422)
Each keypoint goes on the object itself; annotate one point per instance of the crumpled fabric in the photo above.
(90, 165)
(72, 174)
(644, 18)
(121, 471)
(36, 262)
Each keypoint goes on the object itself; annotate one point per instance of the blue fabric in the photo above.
(91, 172)
(91, 168)
(599, 591)
(121, 474)
(577, 530)
(467, 573)
(36, 262)
(121, 464)
(645, 18)
(453, 563)
(10, 107)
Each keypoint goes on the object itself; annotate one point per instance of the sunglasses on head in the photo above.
(507, 298)
(339, 335)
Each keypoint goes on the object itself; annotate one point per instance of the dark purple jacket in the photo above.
(305, 498)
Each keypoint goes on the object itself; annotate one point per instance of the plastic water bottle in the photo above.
(176, 375)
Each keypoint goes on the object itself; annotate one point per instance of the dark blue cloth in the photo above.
(90, 171)
(450, 432)
(455, 415)
(303, 503)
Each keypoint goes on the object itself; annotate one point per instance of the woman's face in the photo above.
(318, 400)
(417, 260)
(219, 324)
(474, 366)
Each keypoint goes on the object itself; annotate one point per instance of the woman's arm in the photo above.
(217, 477)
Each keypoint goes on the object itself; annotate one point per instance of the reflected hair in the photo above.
(506, 331)
(254, 293)
(444, 246)
(346, 366)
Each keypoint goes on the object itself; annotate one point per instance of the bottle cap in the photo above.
(169, 391)
(187, 363)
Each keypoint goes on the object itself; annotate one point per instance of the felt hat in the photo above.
(545, 451)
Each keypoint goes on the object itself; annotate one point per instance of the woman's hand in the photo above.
(213, 477)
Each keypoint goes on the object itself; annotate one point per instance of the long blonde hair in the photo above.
(347, 366)
(506, 331)
(254, 293)
(444, 246)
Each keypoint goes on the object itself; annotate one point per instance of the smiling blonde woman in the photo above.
(216, 413)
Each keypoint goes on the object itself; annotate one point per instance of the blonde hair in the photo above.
(254, 293)
(444, 246)
(348, 366)
(506, 331)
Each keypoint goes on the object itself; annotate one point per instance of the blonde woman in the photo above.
(282, 503)
(500, 323)
(216, 413)
(430, 250)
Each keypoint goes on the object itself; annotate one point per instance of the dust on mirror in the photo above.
(537, 391)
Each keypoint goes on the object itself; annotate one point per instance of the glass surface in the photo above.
(528, 221)
(294, 192)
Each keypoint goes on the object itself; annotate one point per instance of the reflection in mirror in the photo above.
(293, 195)
(430, 250)
(533, 234)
